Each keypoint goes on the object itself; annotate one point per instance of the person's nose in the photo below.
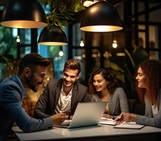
(95, 84)
(43, 80)
(68, 78)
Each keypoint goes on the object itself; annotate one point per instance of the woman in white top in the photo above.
(148, 81)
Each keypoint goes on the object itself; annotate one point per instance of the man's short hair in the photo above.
(72, 64)
(31, 60)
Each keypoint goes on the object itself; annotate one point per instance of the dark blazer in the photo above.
(47, 101)
(11, 110)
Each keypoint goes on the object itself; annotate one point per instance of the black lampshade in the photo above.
(23, 14)
(101, 17)
(55, 36)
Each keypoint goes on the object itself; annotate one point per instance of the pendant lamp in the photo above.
(101, 17)
(23, 14)
(55, 36)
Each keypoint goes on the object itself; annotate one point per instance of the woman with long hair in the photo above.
(103, 86)
(148, 82)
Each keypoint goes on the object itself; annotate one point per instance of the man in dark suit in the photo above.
(31, 75)
(64, 94)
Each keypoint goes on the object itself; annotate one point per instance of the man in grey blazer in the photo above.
(62, 95)
(31, 74)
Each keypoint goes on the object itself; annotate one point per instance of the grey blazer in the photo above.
(47, 101)
(117, 102)
(11, 110)
(148, 119)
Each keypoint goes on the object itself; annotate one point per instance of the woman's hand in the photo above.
(127, 117)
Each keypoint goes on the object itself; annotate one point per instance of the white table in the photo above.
(94, 133)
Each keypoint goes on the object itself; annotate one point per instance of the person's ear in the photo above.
(27, 72)
(78, 76)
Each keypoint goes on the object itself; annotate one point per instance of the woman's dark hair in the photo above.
(112, 81)
(31, 60)
(152, 70)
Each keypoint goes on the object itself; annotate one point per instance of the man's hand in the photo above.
(58, 118)
(106, 116)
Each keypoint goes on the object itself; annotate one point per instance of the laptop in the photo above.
(86, 114)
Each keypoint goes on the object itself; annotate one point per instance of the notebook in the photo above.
(124, 125)
(86, 114)
(129, 125)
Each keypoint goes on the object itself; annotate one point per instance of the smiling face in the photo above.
(99, 83)
(141, 79)
(36, 78)
(69, 77)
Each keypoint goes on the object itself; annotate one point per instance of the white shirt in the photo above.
(64, 102)
(154, 110)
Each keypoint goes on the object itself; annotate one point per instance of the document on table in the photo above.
(125, 125)
(129, 125)
(107, 121)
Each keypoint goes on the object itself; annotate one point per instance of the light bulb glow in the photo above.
(114, 44)
(81, 43)
(100, 28)
(18, 39)
(61, 53)
(88, 3)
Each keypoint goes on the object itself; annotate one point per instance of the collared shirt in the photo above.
(64, 102)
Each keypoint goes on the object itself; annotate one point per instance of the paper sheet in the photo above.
(107, 121)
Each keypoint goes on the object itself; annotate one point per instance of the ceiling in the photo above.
(114, 2)
(117, 2)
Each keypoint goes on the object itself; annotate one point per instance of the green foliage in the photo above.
(122, 71)
(6, 64)
(125, 72)
(8, 50)
(7, 42)
(6, 61)
(61, 12)
(53, 51)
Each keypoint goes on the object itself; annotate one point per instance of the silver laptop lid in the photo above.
(87, 114)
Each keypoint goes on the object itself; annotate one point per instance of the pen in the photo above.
(119, 118)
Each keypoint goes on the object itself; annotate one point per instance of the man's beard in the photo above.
(30, 83)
